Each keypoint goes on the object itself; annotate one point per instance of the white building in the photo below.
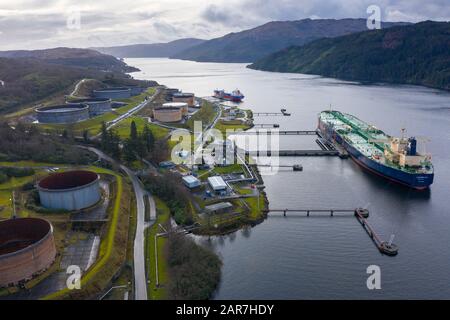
(217, 183)
(191, 182)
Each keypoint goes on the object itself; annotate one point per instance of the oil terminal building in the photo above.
(27, 248)
(71, 190)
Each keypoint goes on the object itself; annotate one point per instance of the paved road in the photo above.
(140, 281)
(75, 90)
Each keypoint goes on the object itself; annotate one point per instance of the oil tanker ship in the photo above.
(396, 159)
(235, 96)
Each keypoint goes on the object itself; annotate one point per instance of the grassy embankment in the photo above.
(206, 115)
(162, 217)
(93, 125)
(113, 248)
(123, 128)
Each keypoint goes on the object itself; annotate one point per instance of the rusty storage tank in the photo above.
(71, 190)
(188, 98)
(97, 106)
(67, 113)
(182, 105)
(167, 114)
(113, 93)
(27, 248)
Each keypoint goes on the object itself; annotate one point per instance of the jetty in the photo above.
(294, 153)
(361, 214)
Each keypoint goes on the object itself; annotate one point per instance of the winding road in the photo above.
(140, 281)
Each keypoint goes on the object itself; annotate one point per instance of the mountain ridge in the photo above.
(252, 44)
(416, 54)
(73, 57)
(151, 50)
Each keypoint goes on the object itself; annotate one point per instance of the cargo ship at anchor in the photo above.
(396, 159)
(235, 96)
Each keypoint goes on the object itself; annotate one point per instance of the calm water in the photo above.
(323, 257)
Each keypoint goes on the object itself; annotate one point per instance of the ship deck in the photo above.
(367, 139)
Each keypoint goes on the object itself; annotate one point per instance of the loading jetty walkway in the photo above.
(360, 214)
(280, 132)
(294, 153)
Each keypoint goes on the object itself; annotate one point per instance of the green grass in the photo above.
(5, 204)
(13, 182)
(163, 216)
(229, 169)
(28, 164)
(206, 115)
(255, 210)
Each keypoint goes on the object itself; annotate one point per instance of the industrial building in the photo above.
(191, 182)
(188, 98)
(67, 113)
(182, 105)
(27, 248)
(167, 114)
(217, 183)
(97, 106)
(220, 207)
(71, 190)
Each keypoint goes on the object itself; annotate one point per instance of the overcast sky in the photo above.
(31, 24)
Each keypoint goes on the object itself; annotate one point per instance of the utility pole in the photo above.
(13, 205)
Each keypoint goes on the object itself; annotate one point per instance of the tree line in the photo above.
(134, 147)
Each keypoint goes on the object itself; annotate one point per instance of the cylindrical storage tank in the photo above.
(113, 93)
(136, 90)
(97, 106)
(71, 190)
(188, 98)
(167, 114)
(68, 113)
(182, 105)
(27, 248)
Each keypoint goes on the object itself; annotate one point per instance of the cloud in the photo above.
(26, 24)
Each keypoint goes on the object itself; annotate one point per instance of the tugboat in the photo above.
(235, 96)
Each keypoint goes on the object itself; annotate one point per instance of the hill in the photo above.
(251, 45)
(25, 80)
(153, 50)
(416, 54)
(85, 58)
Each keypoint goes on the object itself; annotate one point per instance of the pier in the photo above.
(295, 153)
(294, 167)
(385, 247)
(282, 133)
(283, 113)
(321, 212)
(267, 125)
